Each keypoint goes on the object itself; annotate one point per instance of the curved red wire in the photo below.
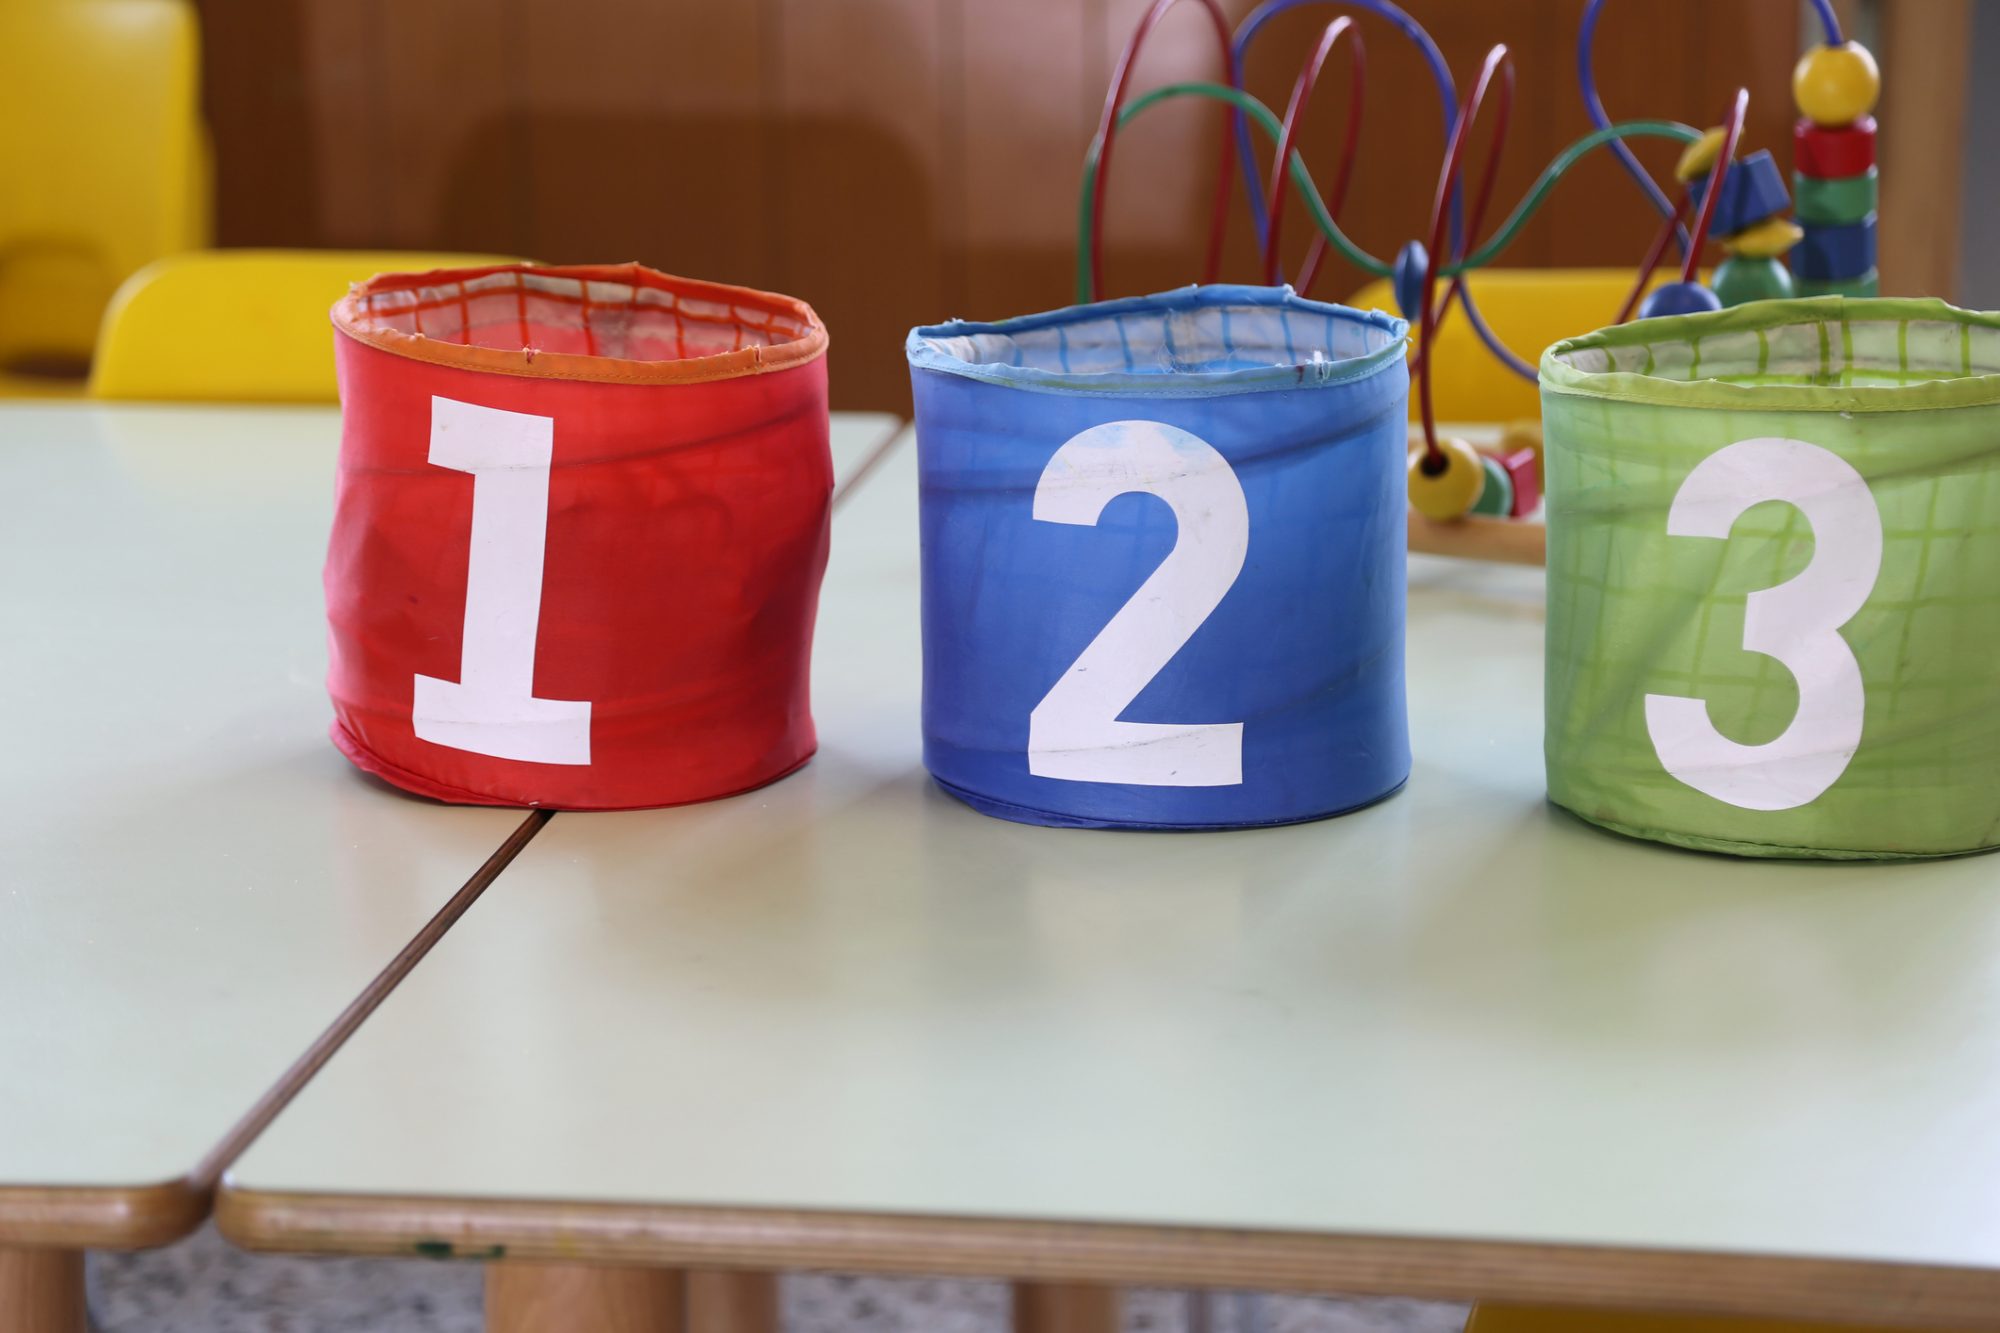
(1732, 131)
(1107, 130)
(1302, 91)
(1497, 61)
(1654, 254)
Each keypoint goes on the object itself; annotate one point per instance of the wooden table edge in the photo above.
(101, 1217)
(879, 450)
(1775, 1286)
(132, 1217)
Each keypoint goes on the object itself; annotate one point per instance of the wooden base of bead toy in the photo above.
(1507, 541)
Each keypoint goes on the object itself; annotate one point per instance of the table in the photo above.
(193, 883)
(1457, 1045)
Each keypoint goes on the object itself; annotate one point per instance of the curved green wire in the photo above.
(1563, 161)
(1354, 254)
(1272, 128)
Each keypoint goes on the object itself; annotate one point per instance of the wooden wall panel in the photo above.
(1036, 67)
(646, 136)
(341, 69)
(898, 161)
(451, 88)
(1927, 56)
(262, 99)
(864, 98)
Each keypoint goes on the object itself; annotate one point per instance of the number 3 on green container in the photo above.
(1798, 622)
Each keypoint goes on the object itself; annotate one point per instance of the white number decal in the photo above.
(1074, 732)
(492, 709)
(1798, 622)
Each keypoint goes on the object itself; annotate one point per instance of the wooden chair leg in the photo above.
(1065, 1307)
(41, 1291)
(556, 1298)
(731, 1301)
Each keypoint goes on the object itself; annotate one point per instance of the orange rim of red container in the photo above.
(607, 323)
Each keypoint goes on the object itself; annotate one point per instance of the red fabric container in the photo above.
(581, 523)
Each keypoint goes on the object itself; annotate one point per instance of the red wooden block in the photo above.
(1833, 154)
(1520, 466)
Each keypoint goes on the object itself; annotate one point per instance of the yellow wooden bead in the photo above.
(1698, 157)
(1836, 85)
(1767, 240)
(1452, 490)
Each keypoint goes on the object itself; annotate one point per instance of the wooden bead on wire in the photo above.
(1742, 278)
(1446, 487)
(1833, 152)
(1524, 472)
(1496, 497)
(1678, 298)
(1699, 157)
(1767, 240)
(1836, 85)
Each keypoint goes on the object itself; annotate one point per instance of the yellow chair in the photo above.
(1527, 309)
(1523, 1319)
(104, 162)
(238, 325)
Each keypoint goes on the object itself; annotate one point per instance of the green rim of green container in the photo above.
(1833, 390)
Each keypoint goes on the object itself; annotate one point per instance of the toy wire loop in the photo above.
(1107, 129)
(1447, 258)
(1732, 131)
(1497, 62)
(1302, 91)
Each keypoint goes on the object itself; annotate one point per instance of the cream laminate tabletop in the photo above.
(193, 883)
(1457, 1044)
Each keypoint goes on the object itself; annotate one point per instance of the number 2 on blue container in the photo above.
(1074, 733)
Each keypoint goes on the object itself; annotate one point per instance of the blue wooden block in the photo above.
(1836, 252)
(1753, 190)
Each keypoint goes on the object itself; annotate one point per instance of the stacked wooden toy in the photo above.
(1749, 221)
(1834, 170)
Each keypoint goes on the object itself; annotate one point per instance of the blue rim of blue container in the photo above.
(1293, 373)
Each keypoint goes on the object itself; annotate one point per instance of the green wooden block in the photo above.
(1848, 199)
(1742, 278)
(1496, 498)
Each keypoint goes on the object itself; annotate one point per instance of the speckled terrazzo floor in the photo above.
(204, 1285)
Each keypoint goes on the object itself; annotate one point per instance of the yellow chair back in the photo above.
(1528, 309)
(246, 326)
(104, 160)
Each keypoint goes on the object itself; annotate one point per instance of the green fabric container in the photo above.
(1774, 578)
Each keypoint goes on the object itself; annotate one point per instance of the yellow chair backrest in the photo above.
(103, 162)
(1523, 1319)
(246, 326)
(1527, 309)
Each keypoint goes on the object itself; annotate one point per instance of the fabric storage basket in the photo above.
(581, 521)
(1774, 578)
(1163, 560)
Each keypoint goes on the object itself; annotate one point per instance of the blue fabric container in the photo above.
(1163, 560)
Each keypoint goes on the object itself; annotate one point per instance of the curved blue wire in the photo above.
(1593, 106)
(1246, 32)
(1829, 21)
